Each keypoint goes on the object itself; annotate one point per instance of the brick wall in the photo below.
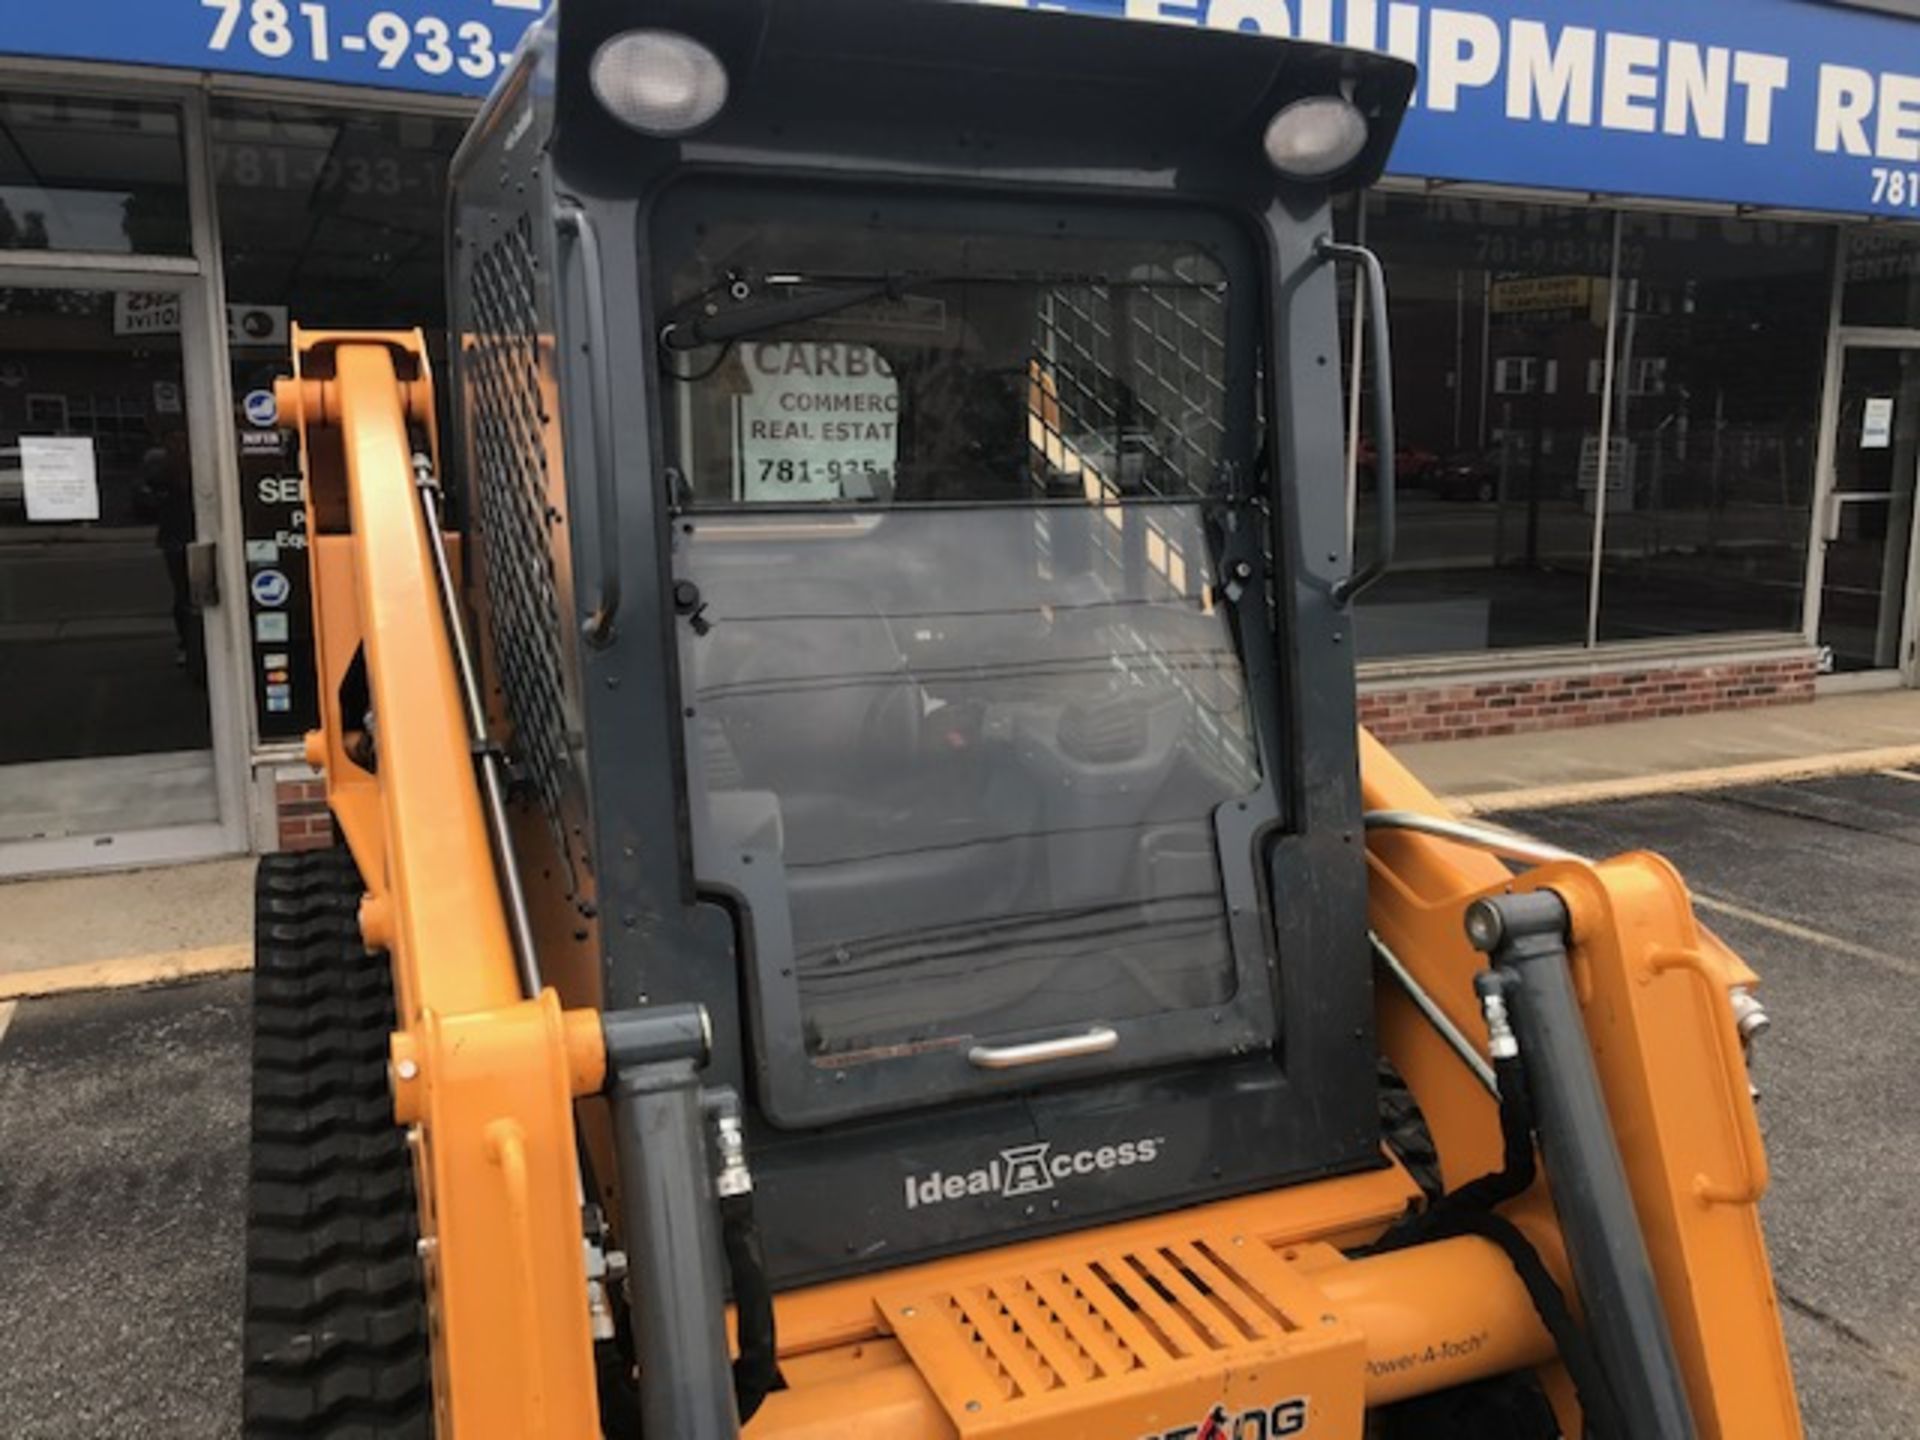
(300, 804)
(1462, 709)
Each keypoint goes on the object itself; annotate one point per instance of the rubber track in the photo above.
(335, 1345)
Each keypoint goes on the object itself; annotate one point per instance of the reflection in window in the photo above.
(328, 218)
(1882, 278)
(1718, 364)
(92, 174)
(339, 216)
(982, 750)
(970, 698)
(1499, 321)
(101, 643)
(1004, 366)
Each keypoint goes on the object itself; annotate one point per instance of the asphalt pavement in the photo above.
(123, 1171)
(123, 1124)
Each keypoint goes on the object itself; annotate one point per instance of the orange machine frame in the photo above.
(1255, 1311)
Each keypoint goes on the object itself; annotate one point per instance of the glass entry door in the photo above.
(107, 747)
(1869, 517)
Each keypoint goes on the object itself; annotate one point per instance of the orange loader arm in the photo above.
(483, 1076)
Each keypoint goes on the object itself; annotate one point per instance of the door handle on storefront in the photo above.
(203, 574)
(1837, 501)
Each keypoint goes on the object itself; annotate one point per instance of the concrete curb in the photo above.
(125, 971)
(1719, 777)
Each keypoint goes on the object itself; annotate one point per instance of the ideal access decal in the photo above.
(1029, 1169)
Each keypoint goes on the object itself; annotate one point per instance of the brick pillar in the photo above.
(300, 804)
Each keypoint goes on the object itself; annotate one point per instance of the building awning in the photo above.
(1772, 104)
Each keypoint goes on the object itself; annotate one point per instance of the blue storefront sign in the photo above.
(1783, 103)
(452, 47)
(1789, 103)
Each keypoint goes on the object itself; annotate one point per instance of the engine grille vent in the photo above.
(1183, 1317)
(515, 519)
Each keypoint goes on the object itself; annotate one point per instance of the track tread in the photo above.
(335, 1345)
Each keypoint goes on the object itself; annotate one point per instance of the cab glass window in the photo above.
(962, 677)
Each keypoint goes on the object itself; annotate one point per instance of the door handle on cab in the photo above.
(1386, 482)
(577, 224)
(1039, 1052)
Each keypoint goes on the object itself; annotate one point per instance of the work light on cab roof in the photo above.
(1316, 137)
(658, 82)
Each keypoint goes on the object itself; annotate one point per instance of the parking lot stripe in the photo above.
(7, 1007)
(1902, 775)
(1807, 933)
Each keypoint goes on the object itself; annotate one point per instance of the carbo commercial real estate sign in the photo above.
(1787, 103)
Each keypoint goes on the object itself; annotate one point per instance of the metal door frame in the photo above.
(216, 506)
(1858, 337)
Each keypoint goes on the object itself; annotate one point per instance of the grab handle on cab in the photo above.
(1385, 532)
(598, 627)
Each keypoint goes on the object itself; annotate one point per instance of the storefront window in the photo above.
(1499, 322)
(92, 174)
(332, 219)
(340, 216)
(1883, 279)
(1720, 349)
(105, 723)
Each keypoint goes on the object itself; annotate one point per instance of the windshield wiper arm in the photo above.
(757, 316)
(754, 316)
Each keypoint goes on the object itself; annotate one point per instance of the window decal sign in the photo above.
(816, 421)
(1789, 103)
(58, 480)
(1876, 423)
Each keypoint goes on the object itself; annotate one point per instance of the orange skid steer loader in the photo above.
(863, 909)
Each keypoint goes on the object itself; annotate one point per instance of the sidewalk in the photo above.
(141, 927)
(129, 927)
(1836, 734)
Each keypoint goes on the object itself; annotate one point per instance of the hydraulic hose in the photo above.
(1469, 1210)
(756, 1373)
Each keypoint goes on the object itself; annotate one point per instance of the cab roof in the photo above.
(958, 84)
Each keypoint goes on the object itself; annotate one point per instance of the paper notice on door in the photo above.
(58, 478)
(1876, 423)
